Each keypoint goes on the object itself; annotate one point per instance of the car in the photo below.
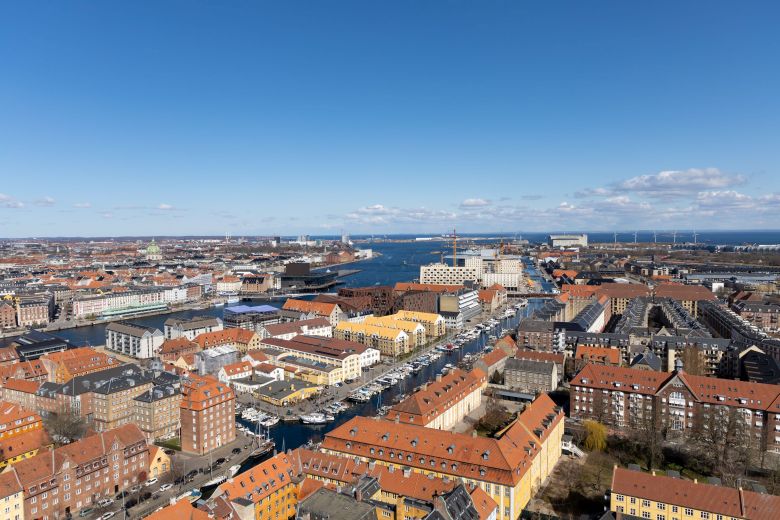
(86, 512)
(166, 487)
(135, 489)
(221, 460)
(119, 496)
(105, 502)
(130, 503)
(107, 515)
(151, 482)
(236, 451)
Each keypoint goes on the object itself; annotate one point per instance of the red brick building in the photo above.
(207, 414)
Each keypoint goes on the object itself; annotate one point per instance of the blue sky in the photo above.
(287, 117)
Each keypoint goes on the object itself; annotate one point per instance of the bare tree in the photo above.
(65, 428)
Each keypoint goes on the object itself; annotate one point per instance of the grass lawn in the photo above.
(173, 444)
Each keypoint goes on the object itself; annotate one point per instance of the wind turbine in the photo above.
(674, 237)
(635, 237)
(695, 236)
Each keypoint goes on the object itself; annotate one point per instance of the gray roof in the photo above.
(158, 393)
(108, 381)
(530, 365)
(325, 503)
(131, 329)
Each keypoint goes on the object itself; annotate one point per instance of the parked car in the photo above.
(166, 487)
(105, 502)
(107, 515)
(86, 512)
(151, 482)
(135, 489)
(236, 451)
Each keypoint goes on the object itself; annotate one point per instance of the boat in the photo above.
(232, 470)
(219, 304)
(219, 479)
(233, 299)
(314, 418)
(268, 421)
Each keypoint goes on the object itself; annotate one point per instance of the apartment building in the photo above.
(434, 323)
(157, 412)
(7, 316)
(530, 376)
(389, 342)
(339, 360)
(11, 497)
(443, 274)
(536, 335)
(133, 340)
(207, 415)
(242, 339)
(444, 402)
(173, 349)
(21, 392)
(267, 490)
(304, 309)
(238, 370)
(15, 420)
(510, 469)
(76, 476)
(550, 357)
(290, 329)
(415, 331)
(660, 497)
(682, 403)
(64, 366)
(191, 328)
(34, 312)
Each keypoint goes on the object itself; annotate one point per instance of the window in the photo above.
(688, 511)
(645, 503)
(620, 498)
(705, 515)
(645, 514)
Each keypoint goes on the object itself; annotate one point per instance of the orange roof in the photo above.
(437, 397)
(318, 308)
(309, 486)
(172, 346)
(22, 385)
(497, 287)
(504, 460)
(237, 368)
(684, 292)
(598, 354)
(483, 502)
(10, 413)
(539, 356)
(579, 291)
(568, 273)
(22, 443)
(259, 481)
(9, 484)
(224, 337)
(720, 500)
(491, 358)
(197, 391)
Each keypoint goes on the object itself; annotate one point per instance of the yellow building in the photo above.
(434, 323)
(319, 355)
(389, 342)
(159, 462)
(415, 331)
(157, 412)
(23, 446)
(266, 491)
(284, 393)
(659, 497)
(509, 469)
(11, 497)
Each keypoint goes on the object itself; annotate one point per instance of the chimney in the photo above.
(438, 377)
(695, 481)
(653, 472)
(474, 433)
(407, 472)
(397, 418)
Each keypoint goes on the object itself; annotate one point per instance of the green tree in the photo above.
(595, 436)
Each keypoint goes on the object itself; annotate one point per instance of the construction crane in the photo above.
(695, 237)
(454, 248)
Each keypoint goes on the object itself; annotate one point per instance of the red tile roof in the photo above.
(598, 354)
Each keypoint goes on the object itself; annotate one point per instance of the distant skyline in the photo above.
(255, 118)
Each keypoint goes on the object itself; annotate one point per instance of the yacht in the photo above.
(314, 418)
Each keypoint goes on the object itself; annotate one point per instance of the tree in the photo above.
(65, 428)
(496, 416)
(595, 436)
(497, 378)
(693, 361)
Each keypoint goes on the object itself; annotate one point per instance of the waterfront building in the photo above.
(120, 303)
(228, 285)
(207, 414)
(35, 343)
(443, 274)
(157, 412)
(492, 362)
(290, 329)
(133, 340)
(510, 469)
(536, 335)
(34, 312)
(287, 392)
(442, 403)
(459, 307)
(337, 360)
(305, 309)
(415, 331)
(76, 476)
(389, 342)
(250, 317)
(530, 376)
(434, 323)
(564, 241)
(267, 490)
(656, 496)
(192, 327)
(681, 403)
(7, 315)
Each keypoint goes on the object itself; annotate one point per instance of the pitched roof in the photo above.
(295, 327)
(737, 503)
(539, 356)
(222, 337)
(427, 287)
(173, 346)
(22, 385)
(599, 354)
(181, 510)
(438, 396)
(307, 306)
(9, 484)
(259, 481)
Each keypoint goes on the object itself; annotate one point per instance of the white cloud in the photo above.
(107, 214)
(6, 201)
(165, 207)
(681, 182)
(82, 205)
(45, 202)
(380, 214)
(474, 203)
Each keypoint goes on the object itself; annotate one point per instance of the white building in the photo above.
(190, 329)
(573, 240)
(443, 274)
(133, 340)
